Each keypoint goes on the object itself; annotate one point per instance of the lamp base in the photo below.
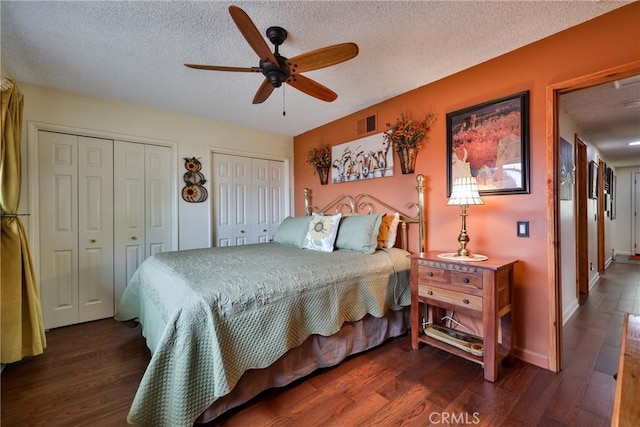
(455, 257)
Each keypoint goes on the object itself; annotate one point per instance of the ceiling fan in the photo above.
(276, 68)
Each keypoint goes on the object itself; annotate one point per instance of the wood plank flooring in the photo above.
(89, 374)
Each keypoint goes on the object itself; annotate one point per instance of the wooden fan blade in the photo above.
(322, 57)
(263, 92)
(312, 88)
(251, 34)
(223, 68)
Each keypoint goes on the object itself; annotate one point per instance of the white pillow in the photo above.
(322, 232)
(393, 231)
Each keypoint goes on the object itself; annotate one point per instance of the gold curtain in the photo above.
(22, 329)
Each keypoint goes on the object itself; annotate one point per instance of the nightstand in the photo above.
(481, 289)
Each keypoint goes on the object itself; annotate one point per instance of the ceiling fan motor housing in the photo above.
(276, 73)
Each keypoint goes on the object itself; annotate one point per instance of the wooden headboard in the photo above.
(366, 204)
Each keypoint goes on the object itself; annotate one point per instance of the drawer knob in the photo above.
(466, 301)
(429, 292)
(466, 280)
(430, 273)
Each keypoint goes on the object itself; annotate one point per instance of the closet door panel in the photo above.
(157, 199)
(249, 199)
(259, 212)
(276, 194)
(95, 228)
(224, 199)
(241, 225)
(58, 213)
(129, 213)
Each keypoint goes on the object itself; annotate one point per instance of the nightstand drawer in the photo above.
(466, 279)
(460, 299)
(430, 273)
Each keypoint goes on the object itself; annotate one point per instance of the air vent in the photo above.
(367, 125)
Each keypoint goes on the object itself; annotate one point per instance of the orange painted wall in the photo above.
(607, 41)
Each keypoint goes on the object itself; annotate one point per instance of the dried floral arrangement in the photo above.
(409, 133)
(320, 157)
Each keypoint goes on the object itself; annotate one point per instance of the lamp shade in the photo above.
(465, 192)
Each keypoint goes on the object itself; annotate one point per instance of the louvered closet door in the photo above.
(76, 228)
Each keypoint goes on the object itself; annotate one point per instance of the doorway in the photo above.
(555, 285)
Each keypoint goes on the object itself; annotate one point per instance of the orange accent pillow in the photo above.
(383, 233)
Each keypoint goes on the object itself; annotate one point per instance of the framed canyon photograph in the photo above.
(490, 141)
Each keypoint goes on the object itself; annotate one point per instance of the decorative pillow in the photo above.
(383, 233)
(359, 233)
(321, 233)
(292, 231)
(393, 231)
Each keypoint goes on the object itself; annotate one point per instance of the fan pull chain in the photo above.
(284, 113)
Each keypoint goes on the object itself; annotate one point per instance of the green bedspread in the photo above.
(209, 315)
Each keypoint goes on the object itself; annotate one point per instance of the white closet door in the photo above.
(260, 206)
(277, 197)
(241, 216)
(249, 199)
(158, 199)
(142, 203)
(222, 172)
(76, 228)
(95, 228)
(58, 213)
(129, 207)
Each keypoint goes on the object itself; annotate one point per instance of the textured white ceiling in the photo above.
(609, 116)
(134, 51)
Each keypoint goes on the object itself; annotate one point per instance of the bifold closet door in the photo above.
(260, 195)
(129, 208)
(76, 228)
(276, 196)
(249, 199)
(142, 204)
(232, 191)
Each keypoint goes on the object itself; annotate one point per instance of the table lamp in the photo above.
(463, 194)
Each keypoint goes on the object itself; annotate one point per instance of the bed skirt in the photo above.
(316, 352)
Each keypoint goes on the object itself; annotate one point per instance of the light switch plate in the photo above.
(523, 228)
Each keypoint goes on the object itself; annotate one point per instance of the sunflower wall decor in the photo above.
(194, 190)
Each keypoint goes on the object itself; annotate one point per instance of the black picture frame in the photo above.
(567, 170)
(490, 141)
(593, 180)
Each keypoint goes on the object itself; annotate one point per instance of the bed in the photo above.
(224, 324)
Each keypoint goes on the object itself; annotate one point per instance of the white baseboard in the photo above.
(568, 312)
(593, 281)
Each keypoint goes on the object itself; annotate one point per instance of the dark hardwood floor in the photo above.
(89, 374)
